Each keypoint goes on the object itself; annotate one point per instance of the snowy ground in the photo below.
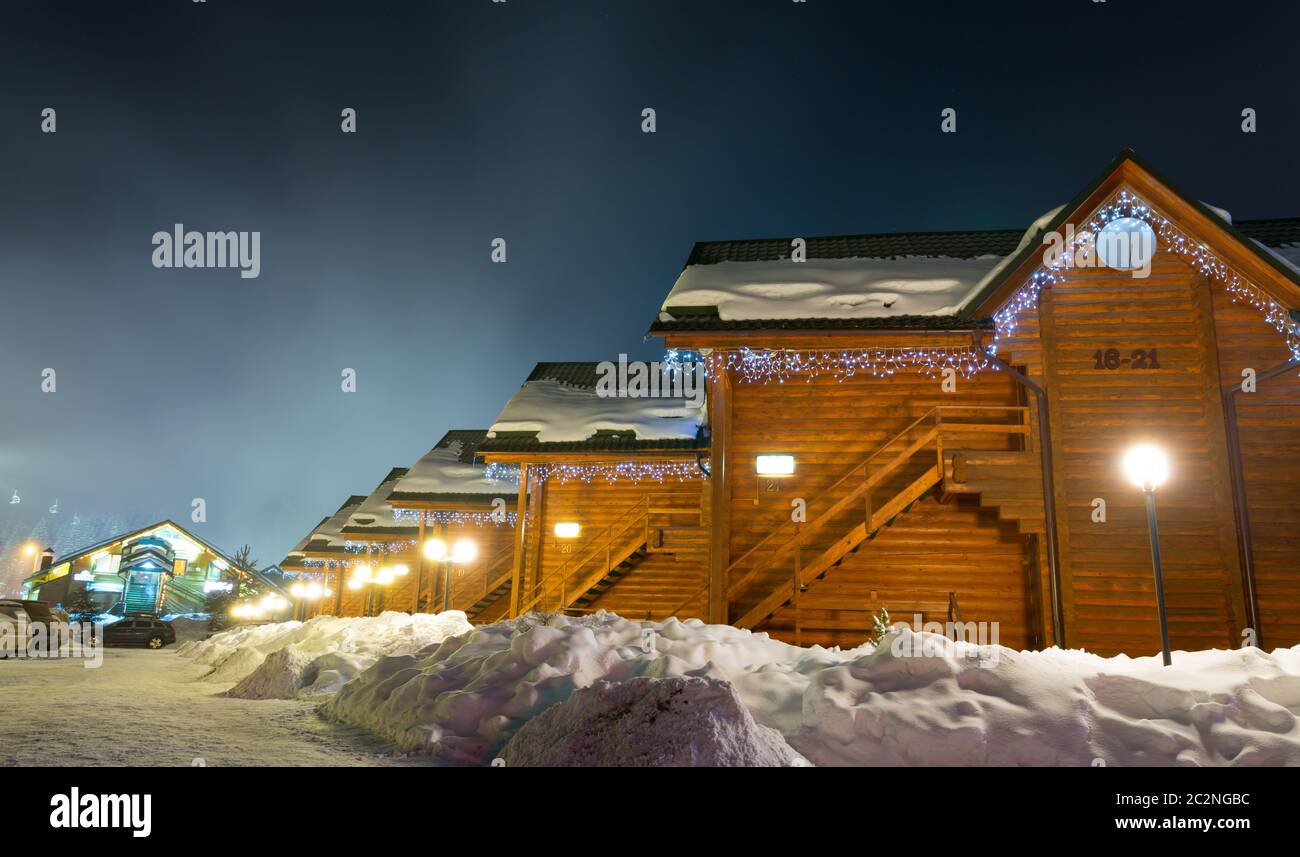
(148, 708)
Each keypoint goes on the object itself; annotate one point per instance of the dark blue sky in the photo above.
(520, 120)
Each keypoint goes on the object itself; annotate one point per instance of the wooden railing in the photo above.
(603, 552)
(501, 563)
(923, 437)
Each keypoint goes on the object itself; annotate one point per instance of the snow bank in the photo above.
(463, 699)
(649, 722)
(284, 659)
(190, 627)
(561, 412)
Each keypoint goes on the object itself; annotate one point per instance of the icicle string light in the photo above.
(603, 471)
(1123, 203)
(777, 366)
(444, 516)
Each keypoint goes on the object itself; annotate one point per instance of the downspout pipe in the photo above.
(1049, 490)
(1237, 471)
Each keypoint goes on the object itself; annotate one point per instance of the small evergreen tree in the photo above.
(80, 601)
(880, 626)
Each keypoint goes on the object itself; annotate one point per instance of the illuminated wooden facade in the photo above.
(984, 499)
(637, 503)
(450, 498)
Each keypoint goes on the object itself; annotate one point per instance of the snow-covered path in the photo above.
(145, 708)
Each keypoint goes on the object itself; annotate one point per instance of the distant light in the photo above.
(356, 583)
(384, 576)
(567, 529)
(362, 573)
(401, 569)
(29, 549)
(1146, 466)
(464, 551)
(435, 549)
(298, 590)
(313, 590)
(775, 465)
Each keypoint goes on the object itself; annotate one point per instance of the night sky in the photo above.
(519, 120)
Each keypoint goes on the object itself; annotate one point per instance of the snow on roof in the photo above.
(442, 471)
(845, 288)
(561, 412)
(375, 513)
(327, 534)
(830, 288)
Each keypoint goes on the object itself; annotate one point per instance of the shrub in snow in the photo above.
(650, 722)
(912, 700)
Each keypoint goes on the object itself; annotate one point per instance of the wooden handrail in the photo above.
(594, 548)
(802, 532)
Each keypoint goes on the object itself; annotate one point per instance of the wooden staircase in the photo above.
(872, 494)
(608, 557)
(493, 601)
(1009, 482)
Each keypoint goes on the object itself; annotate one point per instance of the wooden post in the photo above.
(338, 591)
(517, 568)
(419, 566)
(370, 591)
(719, 494)
(1220, 459)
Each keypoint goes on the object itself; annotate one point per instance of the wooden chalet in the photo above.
(324, 552)
(448, 496)
(952, 410)
(614, 493)
(382, 554)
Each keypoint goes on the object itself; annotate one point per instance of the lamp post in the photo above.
(463, 552)
(1147, 467)
(305, 593)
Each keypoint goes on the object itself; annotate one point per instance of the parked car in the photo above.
(138, 631)
(14, 622)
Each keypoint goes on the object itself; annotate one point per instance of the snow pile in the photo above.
(650, 722)
(463, 699)
(281, 660)
(562, 412)
(442, 472)
(830, 288)
(190, 627)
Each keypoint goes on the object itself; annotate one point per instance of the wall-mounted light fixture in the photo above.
(567, 529)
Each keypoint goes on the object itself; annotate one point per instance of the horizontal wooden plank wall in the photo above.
(1269, 428)
(829, 426)
(1100, 413)
(659, 581)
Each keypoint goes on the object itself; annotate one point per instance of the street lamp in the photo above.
(304, 593)
(1147, 467)
(463, 552)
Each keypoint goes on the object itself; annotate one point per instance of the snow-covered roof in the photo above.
(830, 288)
(451, 469)
(561, 403)
(326, 536)
(929, 280)
(375, 514)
